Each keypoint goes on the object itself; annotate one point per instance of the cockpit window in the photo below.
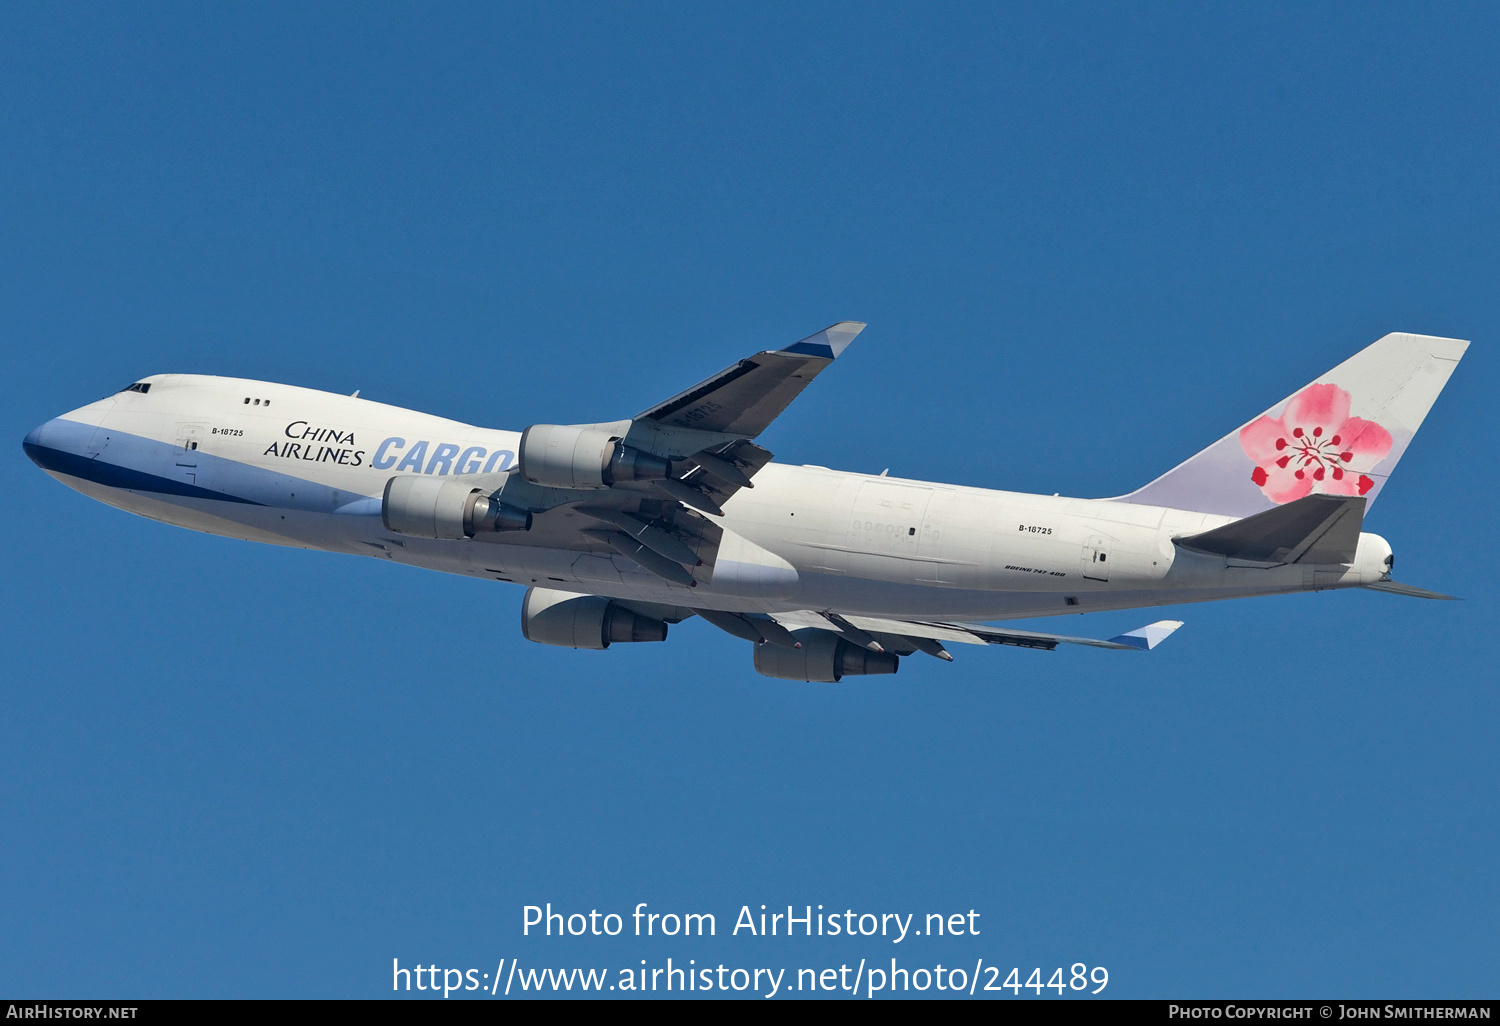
(140, 386)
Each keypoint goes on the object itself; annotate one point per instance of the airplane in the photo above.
(620, 529)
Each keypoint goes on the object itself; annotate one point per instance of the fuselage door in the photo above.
(189, 436)
(1096, 558)
(888, 518)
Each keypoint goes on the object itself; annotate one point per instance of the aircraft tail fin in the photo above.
(1312, 529)
(1341, 435)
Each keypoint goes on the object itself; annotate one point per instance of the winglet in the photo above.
(1149, 636)
(829, 342)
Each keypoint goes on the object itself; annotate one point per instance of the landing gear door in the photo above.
(1096, 558)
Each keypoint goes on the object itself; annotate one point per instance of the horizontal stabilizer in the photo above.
(1313, 529)
(1396, 588)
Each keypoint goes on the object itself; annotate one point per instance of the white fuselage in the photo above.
(295, 466)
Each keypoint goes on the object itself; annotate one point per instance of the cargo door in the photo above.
(936, 560)
(887, 518)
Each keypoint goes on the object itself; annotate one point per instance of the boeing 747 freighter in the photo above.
(619, 529)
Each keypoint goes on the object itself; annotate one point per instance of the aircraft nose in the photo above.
(60, 443)
(35, 442)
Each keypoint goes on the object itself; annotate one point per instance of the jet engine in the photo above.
(583, 456)
(824, 656)
(434, 507)
(583, 621)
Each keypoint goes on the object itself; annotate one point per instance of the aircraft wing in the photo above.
(743, 400)
(732, 407)
(910, 635)
(698, 450)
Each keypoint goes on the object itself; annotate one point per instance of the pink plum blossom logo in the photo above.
(1314, 446)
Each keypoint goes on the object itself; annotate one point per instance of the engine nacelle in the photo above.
(568, 620)
(583, 456)
(823, 657)
(435, 507)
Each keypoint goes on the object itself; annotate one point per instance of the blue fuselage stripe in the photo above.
(115, 476)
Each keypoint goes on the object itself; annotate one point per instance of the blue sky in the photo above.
(1088, 239)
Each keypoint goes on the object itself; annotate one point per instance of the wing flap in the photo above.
(717, 472)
